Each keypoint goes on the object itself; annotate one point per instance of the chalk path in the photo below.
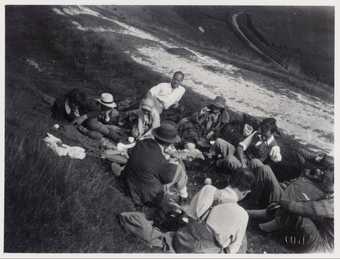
(309, 119)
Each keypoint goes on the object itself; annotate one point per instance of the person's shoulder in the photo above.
(181, 88)
(147, 143)
(244, 216)
(162, 84)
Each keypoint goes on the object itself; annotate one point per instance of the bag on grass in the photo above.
(196, 237)
(137, 224)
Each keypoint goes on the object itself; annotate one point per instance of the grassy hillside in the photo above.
(57, 204)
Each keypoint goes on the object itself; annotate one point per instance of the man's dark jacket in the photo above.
(147, 171)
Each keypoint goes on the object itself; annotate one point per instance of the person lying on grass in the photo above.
(149, 175)
(75, 107)
(303, 210)
(204, 125)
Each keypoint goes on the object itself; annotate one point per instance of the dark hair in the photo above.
(76, 96)
(180, 73)
(242, 179)
(269, 124)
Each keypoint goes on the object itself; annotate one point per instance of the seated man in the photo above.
(205, 124)
(241, 125)
(168, 95)
(74, 107)
(305, 213)
(219, 209)
(148, 174)
(102, 125)
(253, 150)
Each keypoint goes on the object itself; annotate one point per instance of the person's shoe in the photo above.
(270, 226)
(257, 214)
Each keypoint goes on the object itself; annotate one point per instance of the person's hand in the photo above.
(79, 120)
(175, 105)
(210, 135)
(244, 164)
(272, 208)
(319, 157)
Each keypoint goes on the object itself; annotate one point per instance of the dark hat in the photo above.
(167, 132)
(218, 102)
(269, 123)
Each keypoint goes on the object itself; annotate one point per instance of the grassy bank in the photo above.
(55, 204)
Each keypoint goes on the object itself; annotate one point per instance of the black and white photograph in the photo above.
(169, 129)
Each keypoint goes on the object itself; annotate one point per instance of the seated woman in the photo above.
(141, 121)
(74, 107)
(203, 125)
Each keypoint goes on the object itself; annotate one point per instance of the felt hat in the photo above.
(218, 102)
(167, 132)
(107, 100)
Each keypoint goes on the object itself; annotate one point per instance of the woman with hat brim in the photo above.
(202, 126)
(103, 124)
(148, 173)
(147, 119)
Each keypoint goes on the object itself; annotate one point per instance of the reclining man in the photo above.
(205, 124)
(149, 175)
(304, 210)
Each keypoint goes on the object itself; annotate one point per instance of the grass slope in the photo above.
(57, 204)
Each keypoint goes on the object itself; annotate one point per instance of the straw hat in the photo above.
(107, 100)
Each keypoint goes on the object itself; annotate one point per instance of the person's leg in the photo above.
(266, 185)
(179, 183)
(94, 124)
(255, 163)
(227, 151)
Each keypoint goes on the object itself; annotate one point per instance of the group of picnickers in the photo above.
(149, 154)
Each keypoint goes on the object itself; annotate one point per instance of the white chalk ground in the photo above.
(309, 119)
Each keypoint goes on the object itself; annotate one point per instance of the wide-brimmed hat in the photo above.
(107, 100)
(167, 132)
(147, 104)
(218, 102)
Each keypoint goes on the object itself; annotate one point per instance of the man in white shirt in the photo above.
(168, 95)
